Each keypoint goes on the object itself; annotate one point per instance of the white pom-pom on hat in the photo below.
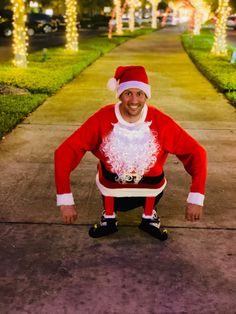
(112, 84)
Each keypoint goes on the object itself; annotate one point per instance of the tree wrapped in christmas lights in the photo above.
(71, 28)
(133, 4)
(201, 14)
(154, 4)
(118, 14)
(19, 34)
(220, 47)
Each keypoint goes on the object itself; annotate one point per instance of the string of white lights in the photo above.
(71, 27)
(20, 38)
(220, 46)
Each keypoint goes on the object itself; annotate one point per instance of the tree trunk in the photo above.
(131, 18)
(19, 34)
(220, 47)
(119, 29)
(154, 13)
(71, 27)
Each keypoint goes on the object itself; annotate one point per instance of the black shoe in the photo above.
(152, 226)
(107, 226)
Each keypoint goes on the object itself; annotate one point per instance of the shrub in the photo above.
(217, 69)
(14, 108)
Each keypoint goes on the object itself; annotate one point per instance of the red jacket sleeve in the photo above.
(69, 154)
(194, 158)
(177, 141)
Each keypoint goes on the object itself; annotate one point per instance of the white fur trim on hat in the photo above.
(112, 84)
(146, 88)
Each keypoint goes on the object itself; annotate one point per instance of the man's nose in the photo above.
(134, 98)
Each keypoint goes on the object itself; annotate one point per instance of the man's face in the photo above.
(132, 102)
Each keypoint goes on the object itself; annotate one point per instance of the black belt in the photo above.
(148, 180)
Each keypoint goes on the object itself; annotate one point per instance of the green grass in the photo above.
(13, 109)
(217, 69)
(47, 72)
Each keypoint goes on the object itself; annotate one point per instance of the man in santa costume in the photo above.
(131, 141)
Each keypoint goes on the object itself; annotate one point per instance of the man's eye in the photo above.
(140, 94)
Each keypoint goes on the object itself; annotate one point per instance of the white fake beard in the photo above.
(131, 151)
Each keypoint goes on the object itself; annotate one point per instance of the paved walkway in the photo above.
(47, 267)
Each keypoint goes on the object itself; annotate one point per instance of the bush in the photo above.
(14, 108)
(232, 97)
(217, 69)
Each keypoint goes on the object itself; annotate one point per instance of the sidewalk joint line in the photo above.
(123, 225)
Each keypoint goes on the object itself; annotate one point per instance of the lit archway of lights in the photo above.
(20, 38)
(220, 46)
(72, 35)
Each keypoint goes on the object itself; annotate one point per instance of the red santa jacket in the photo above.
(92, 134)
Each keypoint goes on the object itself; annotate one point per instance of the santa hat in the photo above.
(129, 77)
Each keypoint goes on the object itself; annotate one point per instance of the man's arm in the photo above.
(177, 141)
(67, 157)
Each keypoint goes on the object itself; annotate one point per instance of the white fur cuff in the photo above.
(65, 199)
(195, 198)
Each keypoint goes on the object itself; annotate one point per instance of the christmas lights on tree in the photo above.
(133, 4)
(71, 28)
(220, 47)
(201, 14)
(118, 14)
(154, 4)
(19, 34)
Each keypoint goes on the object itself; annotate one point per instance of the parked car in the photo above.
(41, 23)
(6, 23)
(137, 21)
(60, 21)
(36, 23)
(95, 21)
(171, 20)
(231, 21)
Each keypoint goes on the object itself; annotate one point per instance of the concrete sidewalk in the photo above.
(48, 267)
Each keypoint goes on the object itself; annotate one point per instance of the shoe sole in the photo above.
(100, 232)
(161, 235)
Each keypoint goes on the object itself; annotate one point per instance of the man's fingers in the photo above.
(193, 212)
(66, 220)
(69, 214)
(70, 219)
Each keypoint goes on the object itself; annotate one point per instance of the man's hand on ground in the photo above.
(69, 213)
(193, 212)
